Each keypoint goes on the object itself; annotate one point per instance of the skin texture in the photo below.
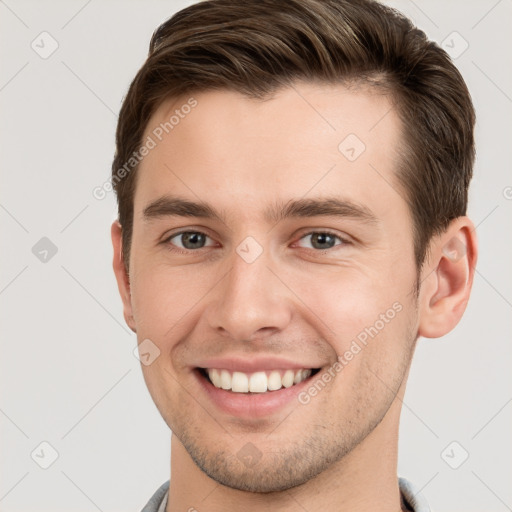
(243, 156)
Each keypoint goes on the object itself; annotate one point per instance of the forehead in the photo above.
(307, 139)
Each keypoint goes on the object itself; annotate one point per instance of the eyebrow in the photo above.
(169, 206)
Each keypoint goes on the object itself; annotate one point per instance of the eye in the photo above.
(189, 240)
(321, 240)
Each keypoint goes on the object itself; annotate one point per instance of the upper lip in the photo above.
(257, 363)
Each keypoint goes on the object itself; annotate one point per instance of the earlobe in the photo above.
(122, 278)
(447, 279)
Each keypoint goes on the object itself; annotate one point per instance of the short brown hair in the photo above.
(258, 46)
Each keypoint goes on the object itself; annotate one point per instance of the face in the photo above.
(271, 237)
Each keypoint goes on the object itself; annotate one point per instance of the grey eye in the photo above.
(189, 240)
(320, 240)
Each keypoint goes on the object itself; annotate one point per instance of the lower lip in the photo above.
(251, 405)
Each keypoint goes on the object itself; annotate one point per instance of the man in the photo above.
(292, 182)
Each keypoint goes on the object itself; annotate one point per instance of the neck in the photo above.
(364, 480)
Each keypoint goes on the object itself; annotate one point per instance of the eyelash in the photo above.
(178, 250)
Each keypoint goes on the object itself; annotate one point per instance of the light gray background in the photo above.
(68, 375)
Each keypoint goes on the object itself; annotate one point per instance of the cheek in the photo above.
(373, 359)
(165, 298)
(368, 320)
(347, 301)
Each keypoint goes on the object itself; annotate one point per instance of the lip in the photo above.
(255, 364)
(252, 405)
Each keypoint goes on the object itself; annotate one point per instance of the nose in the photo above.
(250, 302)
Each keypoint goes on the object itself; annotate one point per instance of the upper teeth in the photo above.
(257, 382)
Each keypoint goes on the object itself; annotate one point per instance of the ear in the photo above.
(122, 277)
(447, 278)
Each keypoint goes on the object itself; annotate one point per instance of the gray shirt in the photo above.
(412, 498)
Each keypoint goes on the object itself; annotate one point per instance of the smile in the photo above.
(255, 388)
(256, 382)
